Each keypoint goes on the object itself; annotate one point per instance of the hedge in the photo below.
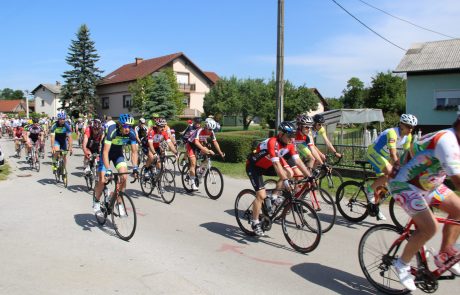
(238, 144)
(178, 126)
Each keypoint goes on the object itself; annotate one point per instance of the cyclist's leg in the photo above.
(448, 202)
(56, 148)
(158, 163)
(191, 160)
(255, 176)
(101, 169)
(121, 167)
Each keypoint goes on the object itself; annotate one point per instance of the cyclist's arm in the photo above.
(315, 152)
(85, 142)
(203, 149)
(105, 154)
(172, 147)
(134, 154)
(216, 145)
(279, 170)
(391, 143)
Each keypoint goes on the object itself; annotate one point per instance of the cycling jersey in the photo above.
(60, 132)
(321, 131)
(116, 139)
(18, 131)
(141, 131)
(156, 137)
(34, 131)
(94, 139)
(202, 135)
(189, 131)
(302, 142)
(420, 181)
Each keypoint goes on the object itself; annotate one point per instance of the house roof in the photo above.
(321, 98)
(134, 71)
(56, 89)
(8, 106)
(212, 76)
(431, 56)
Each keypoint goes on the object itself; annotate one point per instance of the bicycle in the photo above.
(19, 148)
(352, 202)
(318, 198)
(163, 179)
(127, 151)
(212, 177)
(91, 178)
(329, 178)
(298, 218)
(124, 223)
(34, 160)
(61, 170)
(80, 138)
(382, 244)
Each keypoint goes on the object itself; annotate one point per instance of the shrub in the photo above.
(178, 126)
(237, 145)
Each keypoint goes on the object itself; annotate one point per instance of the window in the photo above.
(43, 102)
(186, 101)
(447, 99)
(127, 101)
(182, 78)
(105, 103)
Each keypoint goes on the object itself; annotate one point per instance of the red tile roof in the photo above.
(212, 76)
(8, 106)
(131, 71)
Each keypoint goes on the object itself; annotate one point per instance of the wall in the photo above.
(51, 99)
(420, 97)
(115, 94)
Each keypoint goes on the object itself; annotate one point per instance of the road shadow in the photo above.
(234, 233)
(26, 168)
(46, 181)
(78, 188)
(88, 221)
(47, 163)
(334, 279)
(340, 221)
(78, 174)
(80, 168)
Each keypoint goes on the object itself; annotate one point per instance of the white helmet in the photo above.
(408, 119)
(211, 124)
(142, 120)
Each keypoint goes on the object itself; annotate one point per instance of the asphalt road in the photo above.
(51, 244)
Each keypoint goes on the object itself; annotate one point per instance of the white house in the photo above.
(47, 98)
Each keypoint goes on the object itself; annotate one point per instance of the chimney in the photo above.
(58, 83)
(139, 60)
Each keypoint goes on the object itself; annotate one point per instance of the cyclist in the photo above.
(190, 129)
(118, 134)
(383, 156)
(60, 135)
(270, 158)
(197, 143)
(80, 127)
(91, 142)
(34, 133)
(155, 136)
(302, 139)
(141, 130)
(318, 129)
(419, 184)
(18, 131)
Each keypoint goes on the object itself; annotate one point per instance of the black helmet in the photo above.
(287, 127)
(319, 119)
(197, 120)
(35, 120)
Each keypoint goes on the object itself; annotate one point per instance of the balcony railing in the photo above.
(187, 87)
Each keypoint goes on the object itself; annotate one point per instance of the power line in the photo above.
(370, 29)
(406, 21)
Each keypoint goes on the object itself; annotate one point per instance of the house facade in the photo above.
(47, 99)
(322, 104)
(433, 83)
(15, 106)
(193, 83)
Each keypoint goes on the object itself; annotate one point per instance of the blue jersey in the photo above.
(60, 131)
(117, 139)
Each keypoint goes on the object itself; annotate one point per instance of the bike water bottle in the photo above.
(268, 203)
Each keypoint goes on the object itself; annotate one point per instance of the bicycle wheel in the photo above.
(301, 226)
(351, 201)
(37, 163)
(213, 183)
(322, 202)
(270, 184)
(167, 186)
(146, 182)
(377, 251)
(127, 152)
(64, 176)
(331, 182)
(182, 160)
(125, 222)
(243, 210)
(186, 179)
(57, 172)
(102, 218)
(170, 164)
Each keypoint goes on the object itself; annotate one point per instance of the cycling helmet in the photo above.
(319, 119)
(160, 122)
(142, 120)
(197, 120)
(35, 120)
(42, 121)
(408, 119)
(287, 127)
(80, 119)
(61, 115)
(211, 124)
(304, 120)
(97, 123)
(155, 115)
(126, 119)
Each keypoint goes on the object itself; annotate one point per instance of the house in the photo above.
(47, 98)
(193, 83)
(15, 106)
(322, 104)
(433, 82)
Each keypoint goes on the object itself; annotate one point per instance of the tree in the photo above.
(298, 100)
(353, 95)
(79, 89)
(160, 98)
(9, 94)
(387, 92)
(334, 103)
(177, 96)
(223, 97)
(141, 91)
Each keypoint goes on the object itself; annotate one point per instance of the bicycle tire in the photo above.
(123, 225)
(376, 252)
(185, 179)
(170, 163)
(243, 210)
(351, 196)
(331, 182)
(65, 179)
(322, 202)
(306, 222)
(270, 184)
(214, 176)
(145, 182)
(37, 164)
(182, 160)
(167, 186)
(127, 152)
(103, 218)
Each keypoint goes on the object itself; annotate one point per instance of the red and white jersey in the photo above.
(156, 137)
(273, 150)
(202, 135)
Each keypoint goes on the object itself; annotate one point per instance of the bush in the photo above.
(237, 145)
(178, 126)
(391, 120)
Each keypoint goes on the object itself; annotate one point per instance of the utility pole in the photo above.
(280, 64)
(27, 103)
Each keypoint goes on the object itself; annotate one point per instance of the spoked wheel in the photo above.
(270, 184)
(64, 177)
(399, 217)
(185, 177)
(351, 200)
(124, 217)
(243, 210)
(89, 178)
(331, 182)
(146, 182)
(377, 251)
(170, 163)
(37, 164)
(182, 160)
(57, 172)
(167, 186)
(102, 217)
(213, 183)
(301, 226)
(322, 202)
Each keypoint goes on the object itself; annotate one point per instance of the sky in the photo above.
(324, 46)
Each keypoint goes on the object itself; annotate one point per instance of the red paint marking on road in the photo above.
(236, 249)
(137, 212)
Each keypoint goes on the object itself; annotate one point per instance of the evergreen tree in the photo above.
(79, 90)
(177, 96)
(141, 91)
(160, 98)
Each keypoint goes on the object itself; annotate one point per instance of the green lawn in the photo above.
(4, 171)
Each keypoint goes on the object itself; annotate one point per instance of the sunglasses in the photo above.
(126, 126)
(290, 135)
